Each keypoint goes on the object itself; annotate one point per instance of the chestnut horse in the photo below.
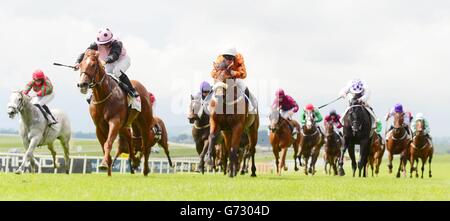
(421, 147)
(398, 142)
(311, 140)
(333, 145)
(137, 142)
(110, 113)
(376, 154)
(230, 115)
(281, 138)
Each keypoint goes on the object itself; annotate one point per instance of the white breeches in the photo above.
(42, 100)
(120, 65)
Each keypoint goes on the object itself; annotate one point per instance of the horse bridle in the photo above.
(20, 105)
(197, 117)
(277, 125)
(93, 84)
(313, 125)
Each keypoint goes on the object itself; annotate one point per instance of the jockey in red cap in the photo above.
(43, 89)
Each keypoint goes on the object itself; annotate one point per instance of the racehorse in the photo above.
(230, 114)
(110, 113)
(398, 142)
(281, 138)
(34, 130)
(311, 140)
(137, 142)
(376, 154)
(199, 118)
(357, 130)
(421, 147)
(333, 145)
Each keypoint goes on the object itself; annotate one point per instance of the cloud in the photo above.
(309, 48)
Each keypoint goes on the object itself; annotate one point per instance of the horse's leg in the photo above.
(164, 144)
(412, 163)
(283, 160)
(253, 139)
(114, 127)
(146, 148)
(306, 159)
(335, 162)
(201, 164)
(236, 135)
(429, 163)
(225, 161)
(213, 135)
(65, 144)
(51, 147)
(277, 157)
(341, 159)
(351, 153)
(125, 139)
(29, 153)
(402, 157)
(390, 158)
(295, 156)
(364, 155)
(423, 159)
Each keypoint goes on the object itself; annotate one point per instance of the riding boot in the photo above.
(251, 98)
(128, 86)
(157, 131)
(50, 113)
(43, 112)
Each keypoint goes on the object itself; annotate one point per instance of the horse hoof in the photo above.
(242, 172)
(341, 172)
(103, 167)
(18, 172)
(398, 175)
(296, 169)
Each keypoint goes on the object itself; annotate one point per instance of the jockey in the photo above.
(233, 63)
(398, 108)
(357, 89)
(287, 106)
(156, 129)
(419, 116)
(379, 126)
(152, 98)
(205, 90)
(334, 118)
(43, 88)
(115, 59)
(310, 108)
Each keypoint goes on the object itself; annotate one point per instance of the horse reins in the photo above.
(94, 84)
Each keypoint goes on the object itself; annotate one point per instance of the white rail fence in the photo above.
(9, 162)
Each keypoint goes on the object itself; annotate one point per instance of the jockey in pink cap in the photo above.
(43, 89)
(114, 56)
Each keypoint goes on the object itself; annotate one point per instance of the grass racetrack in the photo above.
(290, 186)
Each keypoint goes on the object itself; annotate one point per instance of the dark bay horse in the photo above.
(376, 154)
(357, 130)
(281, 138)
(198, 116)
(398, 142)
(110, 113)
(230, 115)
(421, 147)
(311, 140)
(333, 145)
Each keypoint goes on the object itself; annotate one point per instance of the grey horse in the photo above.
(35, 132)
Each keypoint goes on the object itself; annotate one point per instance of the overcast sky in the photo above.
(310, 48)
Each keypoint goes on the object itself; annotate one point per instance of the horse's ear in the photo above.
(192, 97)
